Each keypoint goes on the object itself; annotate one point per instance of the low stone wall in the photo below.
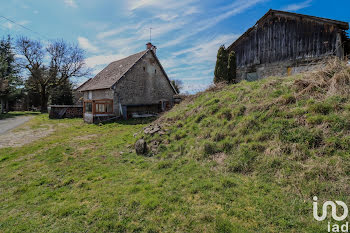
(65, 111)
(277, 69)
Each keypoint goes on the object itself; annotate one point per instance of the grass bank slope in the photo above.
(243, 158)
(293, 132)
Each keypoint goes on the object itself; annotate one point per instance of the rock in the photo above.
(154, 146)
(135, 134)
(141, 147)
(154, 130)
(146, 131)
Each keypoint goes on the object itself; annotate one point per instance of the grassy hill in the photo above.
(247, 157)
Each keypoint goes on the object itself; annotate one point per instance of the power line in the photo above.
(22, 26)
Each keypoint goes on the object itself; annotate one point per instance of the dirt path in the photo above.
(11, 123)
(11, 137)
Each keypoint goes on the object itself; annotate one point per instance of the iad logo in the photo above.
(335, 227)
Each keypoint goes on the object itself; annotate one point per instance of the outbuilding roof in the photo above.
(112, 73)
(342, 25)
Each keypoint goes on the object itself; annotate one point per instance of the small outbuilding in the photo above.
(131, 87)
(285, 43)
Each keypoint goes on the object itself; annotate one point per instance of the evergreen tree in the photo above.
(62, 94)
(9, 79)
(221, 71)
(177, 84)
(232, 68)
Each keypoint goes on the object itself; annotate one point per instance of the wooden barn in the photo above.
(131, 87)
(282, 43)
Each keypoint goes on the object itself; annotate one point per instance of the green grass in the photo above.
(296, 145)
(278, 151)
(77, 179)
(16, 113)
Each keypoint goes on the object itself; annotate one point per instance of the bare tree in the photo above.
(177, 84)
(33, 61)
(65, 61)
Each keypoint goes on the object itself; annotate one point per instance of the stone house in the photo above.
(283, 43)
(129, 87)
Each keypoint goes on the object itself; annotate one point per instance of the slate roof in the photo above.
(112, 73)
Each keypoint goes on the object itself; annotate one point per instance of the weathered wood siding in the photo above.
(281, 38)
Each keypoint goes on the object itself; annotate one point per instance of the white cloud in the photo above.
(297, 6)
(194, 87)
(94, 61)
(195, 64)
(109, 33)
(164, 4)
(233, 9)
(179, 23)
(206, 50)
(84, 43)
(23, 22)
(10, 25)
(120, 30)
(167, 17)
(191, 10)
(70, 3)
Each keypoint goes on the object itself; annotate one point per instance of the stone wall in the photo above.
(98, 94)
(65, 111)
(144, 84)
(277, 69)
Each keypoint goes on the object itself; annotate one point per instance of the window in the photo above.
(109, 108)
(252, 76)
(88, 107)
(104, 107)
(155, 71)
(100, 108)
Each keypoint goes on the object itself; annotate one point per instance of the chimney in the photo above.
(150, 46)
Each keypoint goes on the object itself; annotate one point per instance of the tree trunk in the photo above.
(1, 105)
(7, 109)
(44, 99)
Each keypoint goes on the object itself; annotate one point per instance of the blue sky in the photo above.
(186, 32)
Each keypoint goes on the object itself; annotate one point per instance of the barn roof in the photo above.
(342, 25)
(112, 73)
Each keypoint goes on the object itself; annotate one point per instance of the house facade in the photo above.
(283, 43)
(131, 86)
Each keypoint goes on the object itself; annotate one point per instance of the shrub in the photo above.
(243, 160)
(241, 110)
(321, 108)
(200, 118)
(209, 148)
(288, 99)
(223, 226)
(315, 120)
(218, 136)
(226, 114)
(312, 139)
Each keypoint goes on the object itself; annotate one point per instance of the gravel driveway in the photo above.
(11, 123)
